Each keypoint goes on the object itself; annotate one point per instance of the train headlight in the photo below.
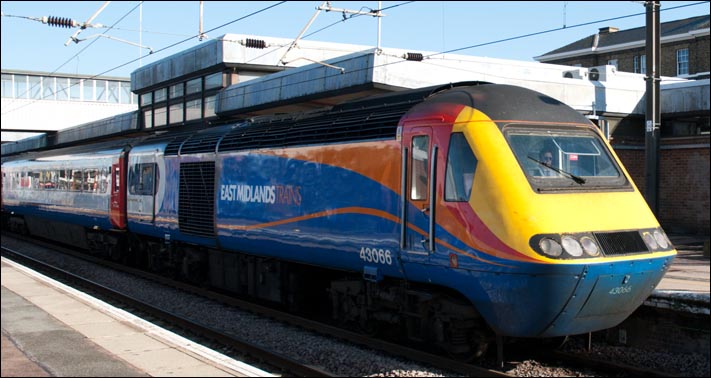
(571, 246)
(550, 247)
(661, 239)
(650, 241)
(589, 246)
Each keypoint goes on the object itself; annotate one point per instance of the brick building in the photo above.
(683, 182)
(684, 49)
(683, 190)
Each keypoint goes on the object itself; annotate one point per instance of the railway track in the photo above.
(606, 366)
(268, 356)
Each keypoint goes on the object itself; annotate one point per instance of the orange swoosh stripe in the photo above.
(345, 210)
(351, 210)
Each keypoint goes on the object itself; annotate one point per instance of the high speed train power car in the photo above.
(449, 213)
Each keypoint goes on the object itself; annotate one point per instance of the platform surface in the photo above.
(49, 329)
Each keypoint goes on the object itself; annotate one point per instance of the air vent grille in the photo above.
(173, 147)
(335, 127)
(204, 141)
(197, 199)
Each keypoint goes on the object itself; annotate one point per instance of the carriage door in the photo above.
(142, 180)
(418, 182)
(118, 192)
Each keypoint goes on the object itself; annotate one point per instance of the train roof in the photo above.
(503, 102)
(112, 146)
(371, 118)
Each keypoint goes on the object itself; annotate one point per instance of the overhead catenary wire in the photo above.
(328, 76)
(134, 60)
(345, 18)
(559, 29)
(69, 60)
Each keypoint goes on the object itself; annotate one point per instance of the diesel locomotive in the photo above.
(450, 213)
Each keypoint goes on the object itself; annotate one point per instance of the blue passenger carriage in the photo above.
(72, 194)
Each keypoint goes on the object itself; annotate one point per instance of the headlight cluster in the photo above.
(595, 244)
(655, 239)
(566, 246)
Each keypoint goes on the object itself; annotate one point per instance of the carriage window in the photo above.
(24, 181)
(35, 180)
(104, 179)
(76, 178)
(48, 180)
(419, 179)
(64, 178)
(141, 179)
(91, 180)
(461, 164)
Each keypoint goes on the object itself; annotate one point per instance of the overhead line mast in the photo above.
(653, 113)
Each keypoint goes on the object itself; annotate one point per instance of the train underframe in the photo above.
(425, 315)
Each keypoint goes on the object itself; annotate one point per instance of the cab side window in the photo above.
(461, 165)
(141, 180)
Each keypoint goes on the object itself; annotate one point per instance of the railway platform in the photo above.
(685, 286)
(690, 269)
(49, 329)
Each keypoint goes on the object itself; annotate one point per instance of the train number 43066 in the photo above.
(620, 290)
(376, 255)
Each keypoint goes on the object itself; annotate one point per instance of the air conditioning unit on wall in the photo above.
(580, 73)
(601, 73)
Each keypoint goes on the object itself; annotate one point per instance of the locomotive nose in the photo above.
(607, 294)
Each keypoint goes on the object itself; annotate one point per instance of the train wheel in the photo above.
(457, 328)
(468, 347)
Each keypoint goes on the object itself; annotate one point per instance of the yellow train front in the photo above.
(539, 223)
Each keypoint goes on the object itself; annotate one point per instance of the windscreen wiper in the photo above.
(577, 179)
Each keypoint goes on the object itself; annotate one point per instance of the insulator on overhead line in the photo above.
(415, 57)
(255, 43)
(61, 22)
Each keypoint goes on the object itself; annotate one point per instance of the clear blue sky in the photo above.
(438, 26)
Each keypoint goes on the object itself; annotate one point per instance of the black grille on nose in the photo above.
(621, 243)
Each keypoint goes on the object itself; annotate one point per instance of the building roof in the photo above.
(610, 38)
